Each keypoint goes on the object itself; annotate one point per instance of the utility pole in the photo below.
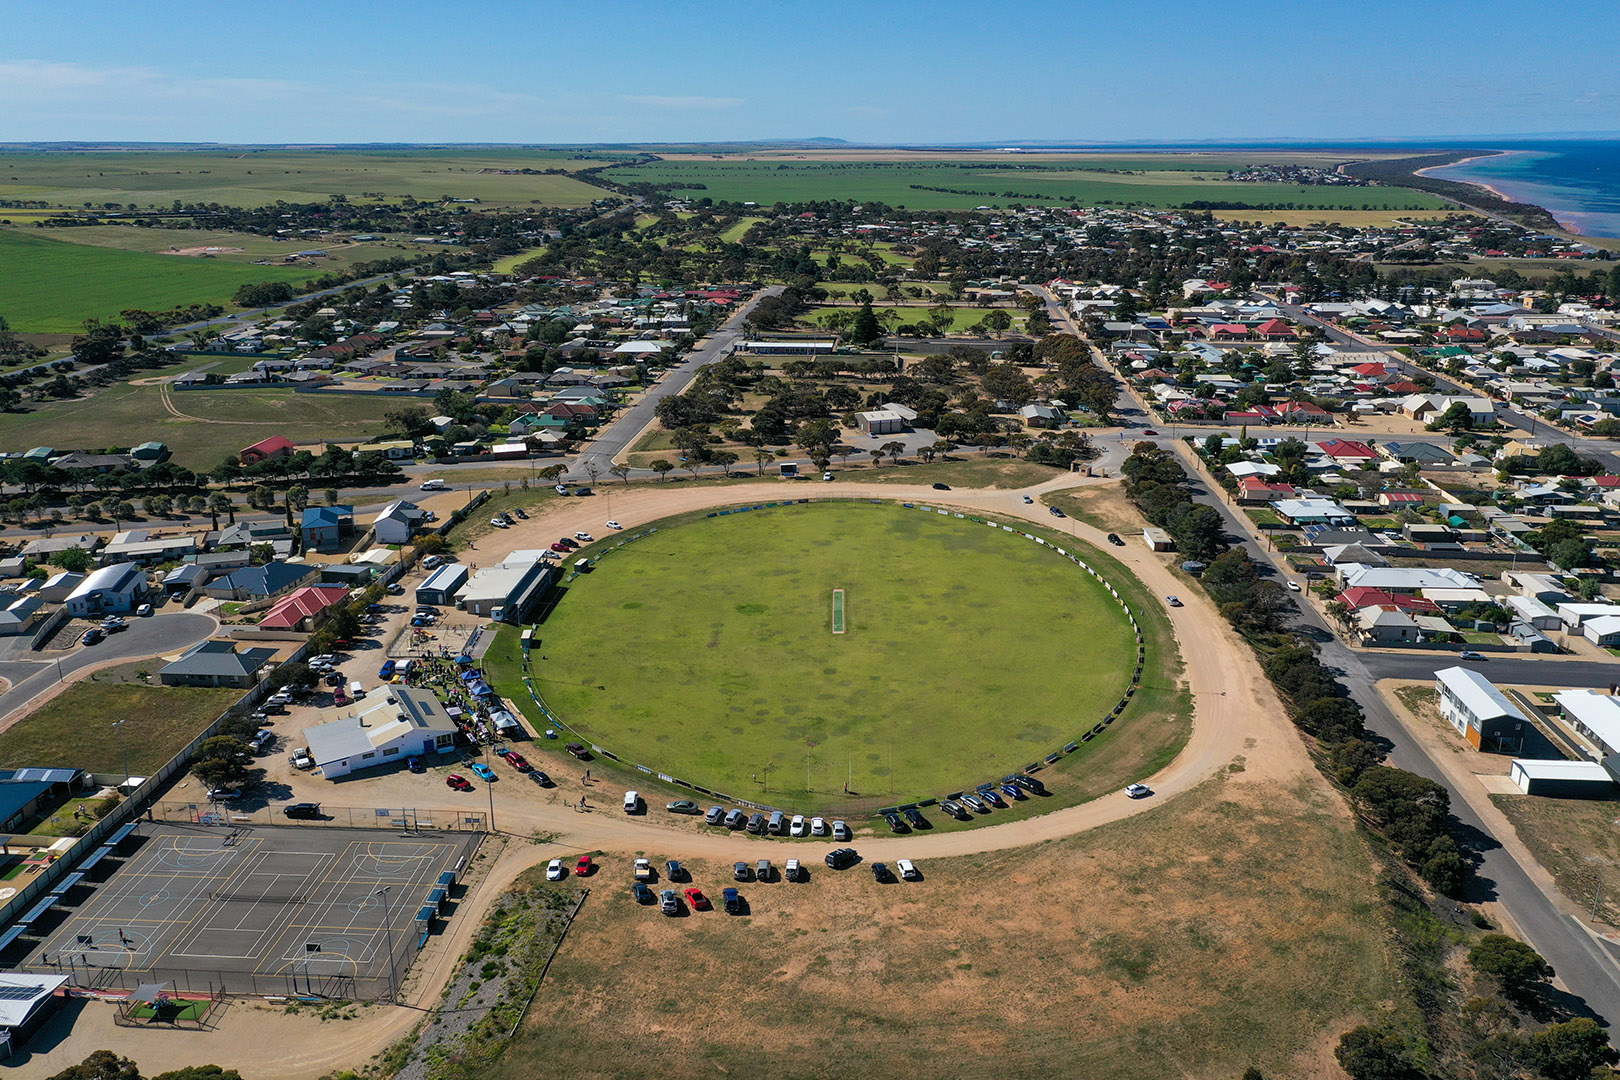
(388, 929)
(118, 726)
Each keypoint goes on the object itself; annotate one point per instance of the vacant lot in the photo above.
(157, 179)
(1126, 180)
(1577, 840)
(52, 286)
(213, 422)
(1188, 942)
(706, 650)
(75, 728)
(980, 473)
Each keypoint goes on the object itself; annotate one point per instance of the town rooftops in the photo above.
(219, 658)
(1476, 694)
(295, 607)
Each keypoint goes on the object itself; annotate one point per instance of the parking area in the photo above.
(259, 910)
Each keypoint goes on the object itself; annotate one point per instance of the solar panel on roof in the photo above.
(19, 993)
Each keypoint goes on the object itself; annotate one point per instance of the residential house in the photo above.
(305, 609)
(261, 582)
(216, 663)
(324, 528)
(1480, 712)
(274, 447)
(111, 589)
(398, 521)
(1041, 416)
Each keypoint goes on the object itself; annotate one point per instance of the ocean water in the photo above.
(1578, 182)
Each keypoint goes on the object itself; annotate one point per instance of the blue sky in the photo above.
(892, 72)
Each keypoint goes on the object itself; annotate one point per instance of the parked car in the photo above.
(840, 831)
(540, 778)
(482, 771)
(560, 549)
(792, 871)
(1138, 791)
(1028, 500)
(144, 610)
(818, 827)
(695, 897)
(675, 871)
(1173, 601)
(632, 802)
(387, 669)
(740, 872)
(714, 815)
(1013, 792)
(222, 794)
(989, 795)
(584, 867)
(941, 487)
(1113, 538)
(1293, 586)
(91, 636)
(642, 870)
(683, 806)
(798, 826)
(908, 870)
(584, 537)
(518, 510)
(309, 811)
(735, 819)
(880, 873)
(555, 870)
(955, 810)
(578, 750)
(517, 761)
(756, 824)
(568, 542)
(642, 894)
(843, 858)
(763, 871)
(895, 824)
(733, 900)
(614, 525)
(458, 782)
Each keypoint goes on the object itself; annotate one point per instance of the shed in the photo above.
(1569, 779)
(1157, 539)
(442, 585)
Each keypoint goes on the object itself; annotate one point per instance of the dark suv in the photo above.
(308, 810)
(842, 858)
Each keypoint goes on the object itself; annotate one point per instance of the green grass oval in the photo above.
(705, 650)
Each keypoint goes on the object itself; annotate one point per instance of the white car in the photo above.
(556, 871)
(1138, 791)
(908, 870)
(840, 831)
(144, 610)
(499, 524)
(797, 826)
(584, 537)
(1173, 601)
(1293, 586)
(614, 525)
(818, 827)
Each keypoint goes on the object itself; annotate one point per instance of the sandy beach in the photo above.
(1471, 183)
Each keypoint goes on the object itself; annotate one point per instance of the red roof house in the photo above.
(273, 447)
(303, 608)
(1274, 329)
(1345, 450)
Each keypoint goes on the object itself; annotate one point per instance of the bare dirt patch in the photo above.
(203, 252)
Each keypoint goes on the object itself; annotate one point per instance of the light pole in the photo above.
(489, 788)
(388, 929)
(123, 744)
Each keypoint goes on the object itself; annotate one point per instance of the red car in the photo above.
(516, 760)
(459, 782)
(561, 548)
(583, 867)
(698, 901)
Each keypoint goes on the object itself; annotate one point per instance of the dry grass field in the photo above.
(1194, 941)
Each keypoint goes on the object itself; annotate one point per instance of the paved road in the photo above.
(1515, 669)
(1588, 968)
(31, 673)
(616, 437)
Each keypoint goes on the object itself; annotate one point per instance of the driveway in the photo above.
(34, 673)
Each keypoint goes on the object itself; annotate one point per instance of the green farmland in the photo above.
(261, 177)
(51, 286)
(707, 650)
(213, 423)
(1135, 180)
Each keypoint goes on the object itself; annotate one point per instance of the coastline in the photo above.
(1567, 225)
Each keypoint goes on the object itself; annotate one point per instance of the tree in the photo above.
(894, 449)
(221, 760)
(1513, 963)
(725, 459)
(101, 1065)
(260, 554)
(200, 1072)
(297, 498)
(1457, 417)
(75, 559)
(412, 421)
(762, 457)
(662, 467)
(1369, 1054)
(621, 471)
(1571, 1050)
(866, 331)
(593, 470)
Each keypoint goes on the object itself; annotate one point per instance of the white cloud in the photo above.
(661, 101)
